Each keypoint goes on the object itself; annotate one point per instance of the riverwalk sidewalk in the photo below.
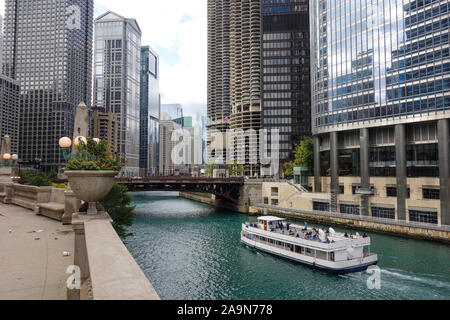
(32, 264)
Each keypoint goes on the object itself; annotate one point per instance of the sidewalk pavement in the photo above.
(32, 265)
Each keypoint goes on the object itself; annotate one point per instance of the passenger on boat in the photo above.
(346, 235)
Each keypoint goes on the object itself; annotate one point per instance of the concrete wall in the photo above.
(380, 197)
(108, 270)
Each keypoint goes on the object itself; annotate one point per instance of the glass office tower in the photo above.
(286, 97)
(48, 51)
(117, 79)
(149, 146)
(381, 105)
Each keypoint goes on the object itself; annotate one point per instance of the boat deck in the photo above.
(310, 234)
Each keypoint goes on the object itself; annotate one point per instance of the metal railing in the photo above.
(410, 224)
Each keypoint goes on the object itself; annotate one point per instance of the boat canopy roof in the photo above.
(271, 219)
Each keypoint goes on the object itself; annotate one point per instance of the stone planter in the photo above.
(91, 186)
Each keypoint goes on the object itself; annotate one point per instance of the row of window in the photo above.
(435, 70)
(419, 89)
(381, 212)
(385, 111)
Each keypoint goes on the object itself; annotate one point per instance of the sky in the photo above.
(177, 31)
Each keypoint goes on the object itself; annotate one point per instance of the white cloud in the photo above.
(180, 28)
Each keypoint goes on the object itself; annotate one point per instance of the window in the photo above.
(350, 209)
(423, 216)
(392, 192)
(431, 193)
(321, 206)
(266, 200)
(384, 213)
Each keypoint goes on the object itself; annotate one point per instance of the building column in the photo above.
(334, 164)
(317, 175)
(400, 147)
(365, 173)
(444, 169)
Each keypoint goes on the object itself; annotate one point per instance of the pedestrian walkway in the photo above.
(32, 264)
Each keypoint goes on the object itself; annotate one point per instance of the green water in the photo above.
(192, 251)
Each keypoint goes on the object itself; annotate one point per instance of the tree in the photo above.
(235, 169)
(117, 204)
(210, 168)
(304, 157)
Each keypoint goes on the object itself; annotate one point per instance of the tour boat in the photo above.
(329, 250)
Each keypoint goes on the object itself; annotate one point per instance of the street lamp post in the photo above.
(10, 160)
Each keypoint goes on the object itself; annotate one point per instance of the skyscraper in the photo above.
(380, 111)
(286, 87)
(9, 110)
(48, 50)
(219, 105)
(117, 79)
(245, 81)
(150, 108)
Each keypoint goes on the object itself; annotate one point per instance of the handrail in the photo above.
(411, 224)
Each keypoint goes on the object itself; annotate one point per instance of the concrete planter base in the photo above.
(91, 186)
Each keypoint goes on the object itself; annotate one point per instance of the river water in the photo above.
(192, 251)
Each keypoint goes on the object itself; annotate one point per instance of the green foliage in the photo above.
(117, 204)
(39, 179)
(59, 186)
(235, 169)
(210, 168)
(95, 156)
(304, 157)
(52, 175)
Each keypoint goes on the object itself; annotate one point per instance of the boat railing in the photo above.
(360, 218)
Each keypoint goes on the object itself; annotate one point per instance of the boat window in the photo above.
(321, 255)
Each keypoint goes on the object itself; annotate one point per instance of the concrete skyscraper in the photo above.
(381, 107)
(117, 79)
(245, 81)
(219, 106)
(48, 51)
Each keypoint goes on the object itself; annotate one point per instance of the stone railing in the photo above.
(108, 271)
(58, 204)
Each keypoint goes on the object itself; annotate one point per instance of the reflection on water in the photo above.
(192, 251)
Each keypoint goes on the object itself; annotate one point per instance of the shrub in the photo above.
(95, 156)
(117, 204)
(59, 186)
(32, 178)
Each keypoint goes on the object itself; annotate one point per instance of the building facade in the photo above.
(48, 51)
(106, 126)
(166, 145)
(286, 98)
(150, 101)
(381, 107)
(117, 79)
(9, 110)
(245, 82)
(219, 104)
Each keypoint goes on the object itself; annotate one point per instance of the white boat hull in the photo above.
(350, 266)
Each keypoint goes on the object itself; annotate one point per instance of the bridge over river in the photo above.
(239, 191)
